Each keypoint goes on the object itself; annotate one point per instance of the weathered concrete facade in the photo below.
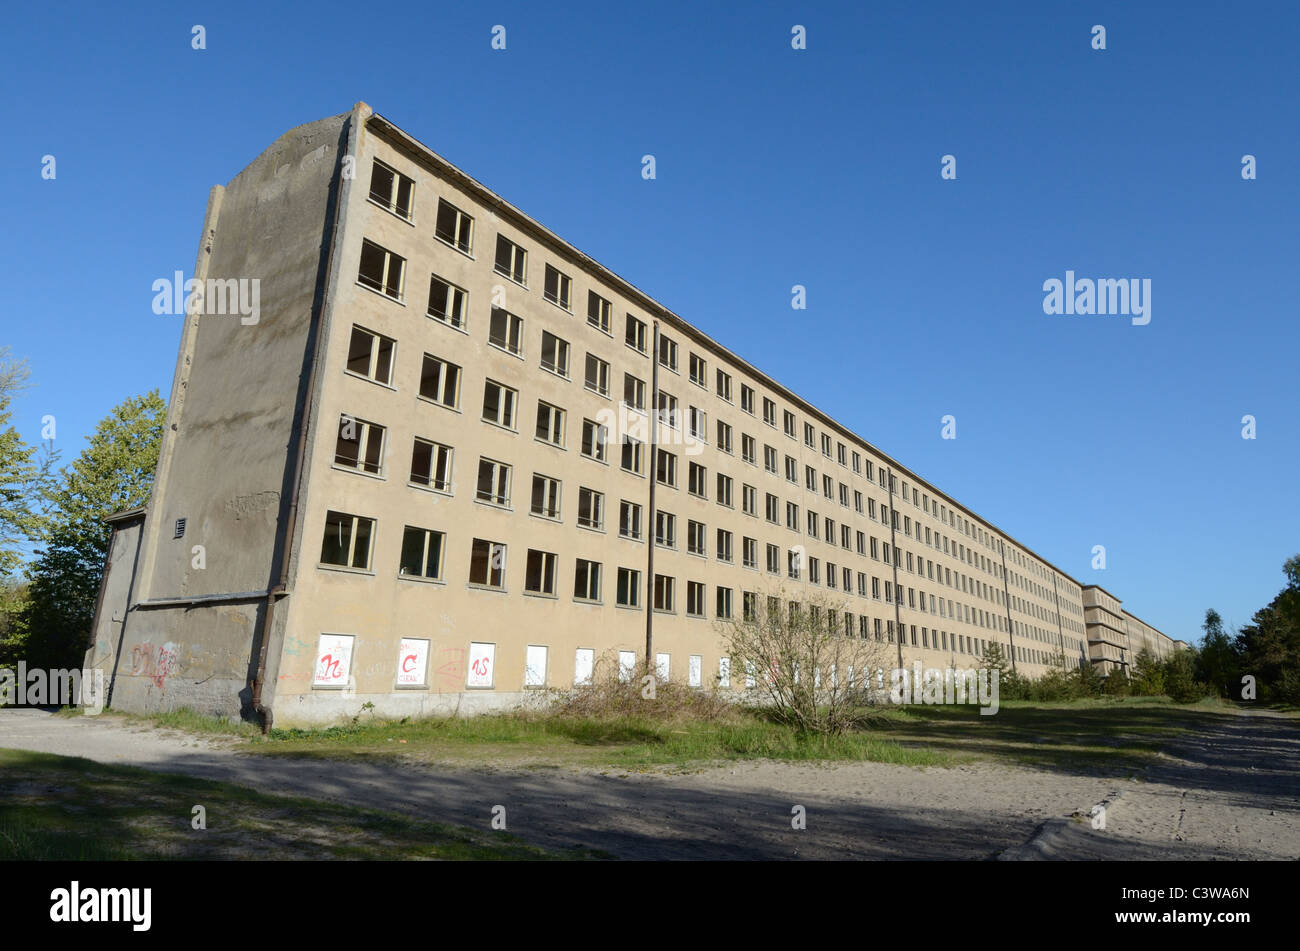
(115, 593)
(1116, 637)
(226, 463)
(410, 484)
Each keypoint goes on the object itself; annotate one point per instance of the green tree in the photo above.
(1180, 677)
(1085, 680)
(1148, 678)
(1055, 685)
(1289, 599)
(1116, 683)
(1268, 648)
(1011, 685)
(114, 472)
(24, 473)
(1216, 662)
(14, 604)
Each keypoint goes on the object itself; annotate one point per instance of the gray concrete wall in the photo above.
(227, 460)
(115, 596)
(197, 658)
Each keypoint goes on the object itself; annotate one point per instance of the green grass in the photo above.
(1107, 736)
(188, 721)
(67, 808)
(555, 740)
(1112, 736)
(626, 742)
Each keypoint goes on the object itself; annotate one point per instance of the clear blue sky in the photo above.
(775, 168)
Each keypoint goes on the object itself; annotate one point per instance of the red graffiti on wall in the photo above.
(451, 666)
(156, 663)
(330, 668)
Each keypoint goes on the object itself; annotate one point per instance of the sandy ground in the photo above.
(1232, 792)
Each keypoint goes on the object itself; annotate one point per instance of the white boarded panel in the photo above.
(693, 670)
(482, 664)
(584, 662)
(333, 660)
(662, 665)
(626, 664)
(412, 662)
(535, 666)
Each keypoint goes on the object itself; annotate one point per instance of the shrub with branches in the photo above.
(616, 692)
(805, 669)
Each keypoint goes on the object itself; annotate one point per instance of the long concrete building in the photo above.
(1116, 637)
(449, 460)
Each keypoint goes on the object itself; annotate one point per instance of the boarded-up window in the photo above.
(626, 665)
(333, 660)
(662, 664)
(535, 666)
(584, 663)
(482, 665)
(413, 662)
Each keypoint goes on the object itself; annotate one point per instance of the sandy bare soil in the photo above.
(1228, 792)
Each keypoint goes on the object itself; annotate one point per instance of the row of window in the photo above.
(431, 466)
(440, 382)
(348, 542)
(360, 445)
(382, 270)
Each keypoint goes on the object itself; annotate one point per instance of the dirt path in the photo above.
(1232, 792)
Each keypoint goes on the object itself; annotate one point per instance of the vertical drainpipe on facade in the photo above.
(893, 559)
(1006, 596)
(280, 589)
(650, 527)
(1059, 630)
